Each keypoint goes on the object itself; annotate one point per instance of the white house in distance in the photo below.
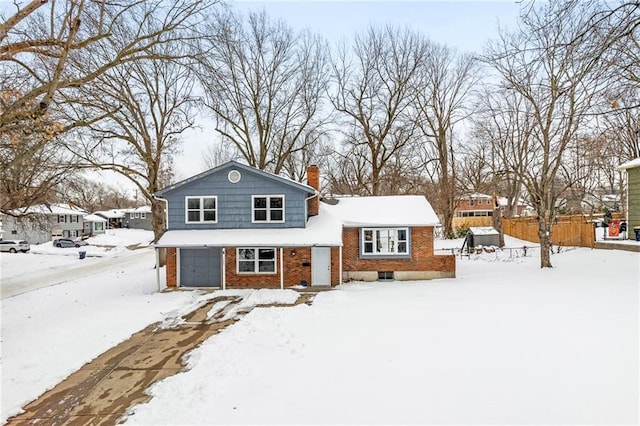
(41, 223)
(94, 225)
(114, 217)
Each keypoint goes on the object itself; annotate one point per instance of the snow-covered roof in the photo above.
(475, 195)
(93, 218)
(321, 230)
(111, 214)
(141, 209)
(630, 164)
(483, 230)
(393, 210)
(51, 209)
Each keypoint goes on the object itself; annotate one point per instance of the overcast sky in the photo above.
(465, 25)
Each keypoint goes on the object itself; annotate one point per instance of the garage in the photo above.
(200, 267)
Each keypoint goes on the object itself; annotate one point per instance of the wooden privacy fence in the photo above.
(574, 230)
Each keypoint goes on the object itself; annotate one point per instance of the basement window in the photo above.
(385, 275)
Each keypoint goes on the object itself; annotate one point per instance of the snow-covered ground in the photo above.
(503, 343)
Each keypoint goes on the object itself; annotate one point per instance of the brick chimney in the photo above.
(313, 180)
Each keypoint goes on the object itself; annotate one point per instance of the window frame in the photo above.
(201, 209)
(268, 208)
(396, 254)
(256, 261)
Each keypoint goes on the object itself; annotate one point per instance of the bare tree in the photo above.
(449, 79)
(218, 153)
(555, 72)
(92, 195)
(502, 127)
(50, 49)
(264, 84)
(137, 140)
(375, 90)
(31, 170)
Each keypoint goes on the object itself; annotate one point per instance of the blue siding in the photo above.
(234, 200)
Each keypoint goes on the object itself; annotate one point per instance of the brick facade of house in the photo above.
(297, 268)
(171, 267)
(422, 256)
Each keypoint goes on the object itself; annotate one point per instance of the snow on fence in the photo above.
(573, 230)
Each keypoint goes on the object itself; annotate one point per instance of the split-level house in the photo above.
(236, 226)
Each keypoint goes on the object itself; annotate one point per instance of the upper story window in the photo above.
(267, 208)
(201, 209)
(385, 241)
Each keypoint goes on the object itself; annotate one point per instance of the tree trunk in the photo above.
(158, 225)
(497, 219)
(544, 233)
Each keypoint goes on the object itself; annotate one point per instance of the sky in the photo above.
(464, 25)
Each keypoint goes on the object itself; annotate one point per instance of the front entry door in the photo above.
(320, 266)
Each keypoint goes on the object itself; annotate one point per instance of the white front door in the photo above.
(320, 266)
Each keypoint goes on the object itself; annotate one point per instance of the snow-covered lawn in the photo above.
(505, 342)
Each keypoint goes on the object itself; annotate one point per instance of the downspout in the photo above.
(157, 268)
(281, 269)
(224, 268)
(316, 193)
(340, 266)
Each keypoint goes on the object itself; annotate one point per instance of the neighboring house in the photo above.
(94, 225)
(138, 218)
(44, 222)
(115, 217)
(598, 203)
(477, 210)
(633, 194)
(237, 226)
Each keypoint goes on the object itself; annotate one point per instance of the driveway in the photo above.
(102, 391)
(29, 281)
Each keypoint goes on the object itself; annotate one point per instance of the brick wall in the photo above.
(297, 262)
(422, 257)
(295, 270)
(171, 268)
(313, 180)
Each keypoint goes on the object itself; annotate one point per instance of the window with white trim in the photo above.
(256, 260)
(137, 215)
(201, 209)
(267, 208)
(143, 215)
(384, 241)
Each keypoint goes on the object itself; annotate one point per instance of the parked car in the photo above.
(68, 242)
(14, 246)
